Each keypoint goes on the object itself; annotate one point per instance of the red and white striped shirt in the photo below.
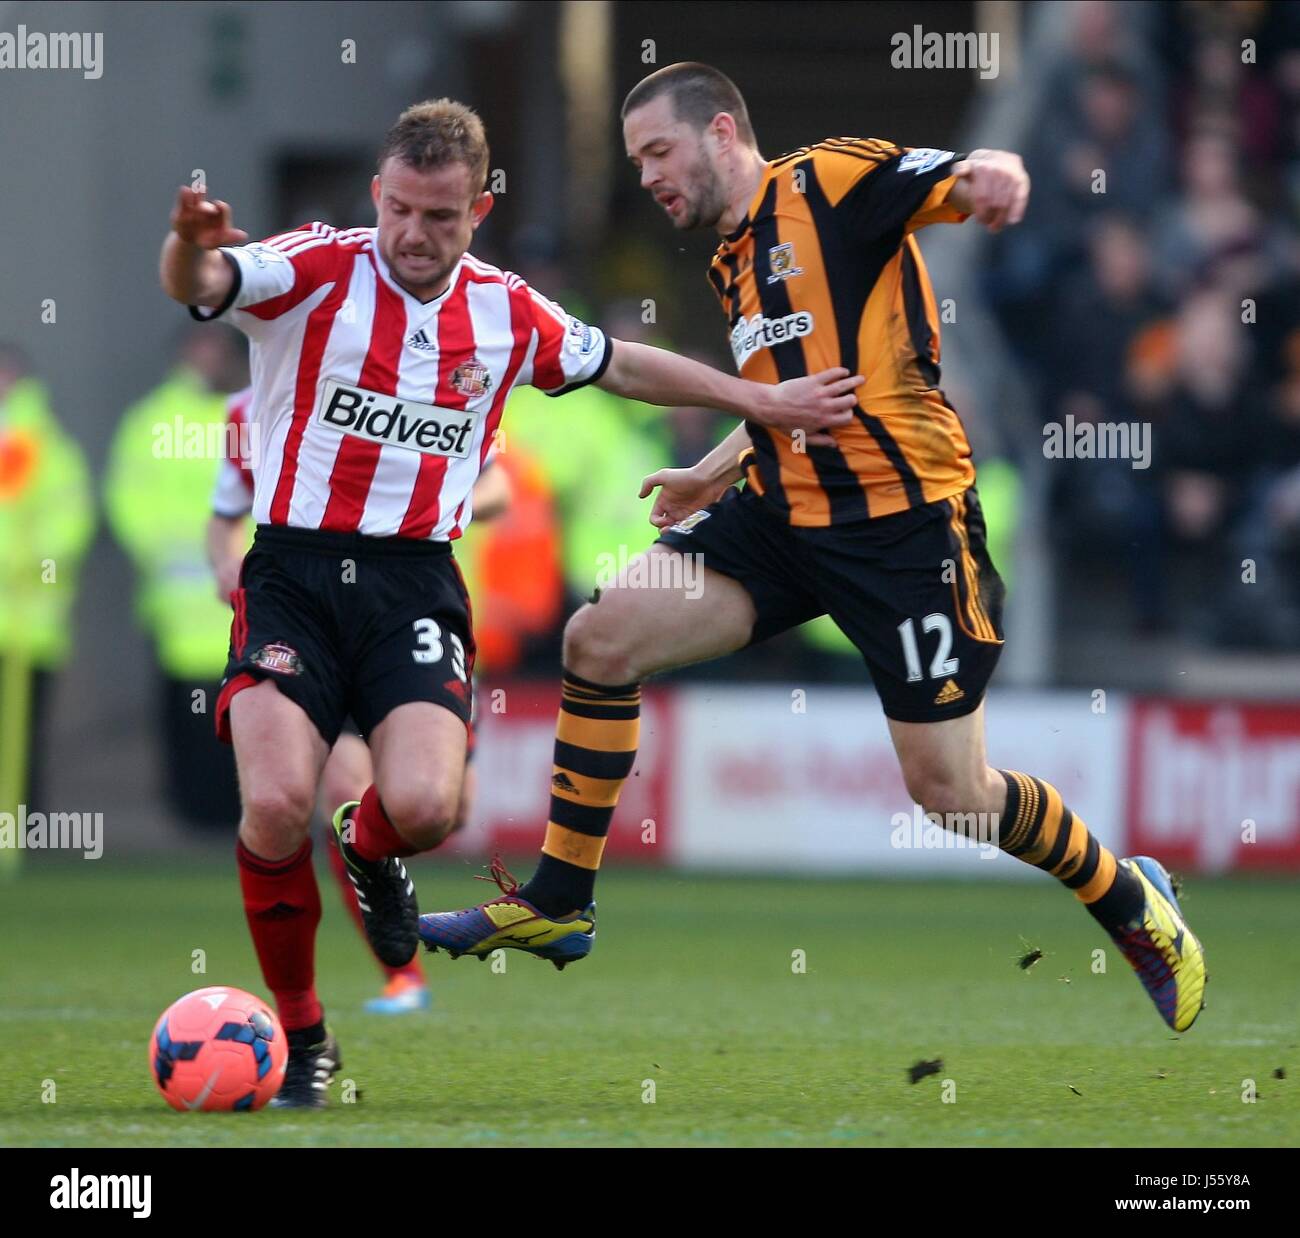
(372, 412)
(233, 493)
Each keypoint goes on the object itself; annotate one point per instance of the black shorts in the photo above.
(915, 591)
(346, 624)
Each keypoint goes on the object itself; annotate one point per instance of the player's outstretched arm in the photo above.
(683, 491)
(190, 269)
(817, 402)
(993, 186)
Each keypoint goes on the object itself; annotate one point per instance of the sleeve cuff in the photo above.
(236, 285)
(592, 377)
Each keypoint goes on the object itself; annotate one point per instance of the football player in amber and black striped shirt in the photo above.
(876, 522)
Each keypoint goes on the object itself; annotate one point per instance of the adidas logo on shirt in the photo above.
(420, 340)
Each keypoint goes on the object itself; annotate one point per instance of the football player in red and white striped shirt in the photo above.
(347, 771)
(381, 361)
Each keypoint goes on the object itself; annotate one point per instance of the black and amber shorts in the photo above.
(915, 591)
(345, 624)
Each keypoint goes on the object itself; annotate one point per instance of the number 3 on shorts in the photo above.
(429, 637)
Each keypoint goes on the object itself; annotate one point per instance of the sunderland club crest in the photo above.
(278, 658)
(472, 379)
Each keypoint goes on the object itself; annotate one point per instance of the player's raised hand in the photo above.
(681, 492)
(815, 404)
(993, 186)
(205, 224)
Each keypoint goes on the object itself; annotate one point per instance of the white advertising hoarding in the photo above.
(768, 779)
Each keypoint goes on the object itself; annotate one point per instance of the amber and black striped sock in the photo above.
(1037, 827)
(595, 747)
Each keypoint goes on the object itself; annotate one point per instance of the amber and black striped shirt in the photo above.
(823, 271)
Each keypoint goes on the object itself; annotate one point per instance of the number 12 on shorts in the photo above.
(429, 646)
(941, 665)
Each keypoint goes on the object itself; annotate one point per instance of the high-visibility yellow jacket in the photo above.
(47, 520)
(158, 497)
(594, 458)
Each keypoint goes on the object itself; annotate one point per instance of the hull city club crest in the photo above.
(471, 378)
(781, 259)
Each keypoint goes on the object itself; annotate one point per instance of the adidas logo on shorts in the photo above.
(948, 693)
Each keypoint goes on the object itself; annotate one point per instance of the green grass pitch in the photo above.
(693, 987)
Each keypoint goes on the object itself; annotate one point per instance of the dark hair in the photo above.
(698, 91)
(438, 132)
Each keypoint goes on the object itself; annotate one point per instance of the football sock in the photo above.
(282, 905)
(373, 835)
(348, 893)
(595, 748)
(1038, 828)
(307, 1037)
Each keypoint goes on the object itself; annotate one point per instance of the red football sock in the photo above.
(373, 836)
(414, 970)
(348, 893)
(282, 904)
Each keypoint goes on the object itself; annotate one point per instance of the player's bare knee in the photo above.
(946, 791)
(940, 791)
(276, 818)
(279, 804)
(596, 645)
(428, 828)
(424, 815)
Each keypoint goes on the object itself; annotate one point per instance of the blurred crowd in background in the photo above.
(1155, 280)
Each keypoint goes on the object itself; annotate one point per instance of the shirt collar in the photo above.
(387, 276)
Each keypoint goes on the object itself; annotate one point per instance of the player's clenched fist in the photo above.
(993, 186)
(817, 402)
(190, 269)
(203, 223)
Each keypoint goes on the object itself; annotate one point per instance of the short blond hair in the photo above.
(435, 133)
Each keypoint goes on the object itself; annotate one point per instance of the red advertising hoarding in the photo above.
(1215, 786)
